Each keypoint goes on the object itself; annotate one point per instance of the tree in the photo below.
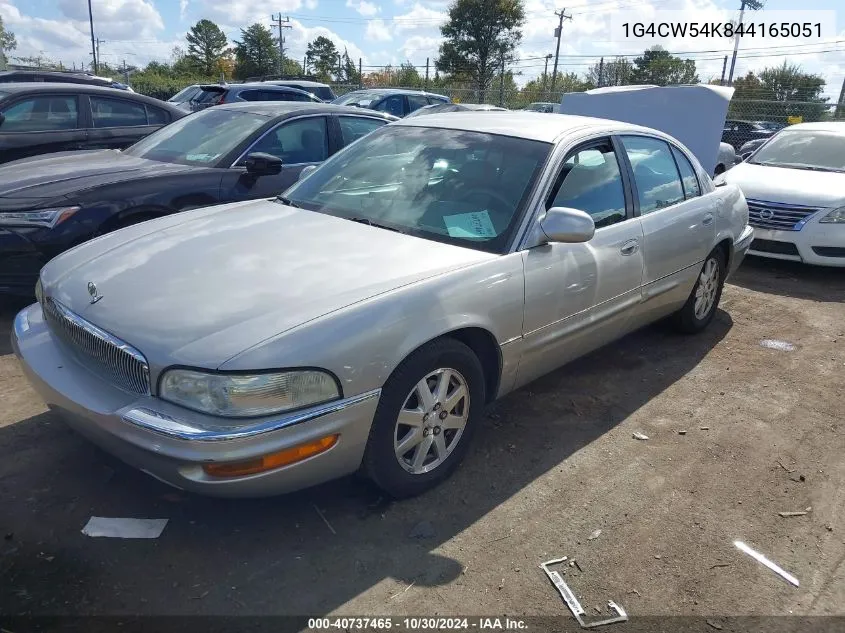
(8, 43)
(256, 54)
(322, 56)
(614, 72)
(407, 76)
(779, 92)
(480, 37)
(537, 89)
(657, 66)
(206, 46)
(350, 70)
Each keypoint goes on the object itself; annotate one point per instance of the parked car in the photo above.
(542, 106)
(23, 76)
(322, 91)
(727, 158)
(795, 186)
(737, 133)
(750, 147)
(397, 102)
(363, 320)
(38, 118)
(457, 107)
(201, 96)
(223, 154)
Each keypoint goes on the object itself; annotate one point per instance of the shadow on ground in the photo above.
(791, 279)
(278, 556)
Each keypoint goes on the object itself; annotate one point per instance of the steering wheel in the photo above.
(478, 191)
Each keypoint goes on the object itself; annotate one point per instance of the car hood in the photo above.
(211, 283)
(789, 186)
(67, 173)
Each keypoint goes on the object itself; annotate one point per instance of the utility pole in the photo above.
(840, 105)
(426, 73)
(305, 64)
(562, 15)
(99, 41)
(753, 5)
(282, 25)
(724, 66)
(93, 47)
(546, 72)
(502, 85)
(360, 75)
(601, 72)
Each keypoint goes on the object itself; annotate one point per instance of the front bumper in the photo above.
(171, 443)
(813, 244)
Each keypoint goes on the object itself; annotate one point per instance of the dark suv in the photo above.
(738, 133)
(320, 90)
(393, 101)
(200, 96)
(40, 118)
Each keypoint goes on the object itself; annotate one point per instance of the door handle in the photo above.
(630, 247)
(707, 220)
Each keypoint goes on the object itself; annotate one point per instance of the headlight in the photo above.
(247, 395)
(836, 216)
(41, 217)
(720, 180)
(39, 294)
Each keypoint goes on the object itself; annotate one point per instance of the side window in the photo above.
(157, 116)
(690, 181)
(117, 113)
(392, 105)
(590, 180)
(41, 114)
(251, 95)
(352, 128)
(437, 101)
(415, 102)
(299, 141)
(655, 173)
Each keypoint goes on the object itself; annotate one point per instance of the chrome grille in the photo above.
(781, 217)
(115, 360)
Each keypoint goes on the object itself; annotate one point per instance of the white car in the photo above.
(795, 188)
(726, 159)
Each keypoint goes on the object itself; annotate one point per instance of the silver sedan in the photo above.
(362, 321)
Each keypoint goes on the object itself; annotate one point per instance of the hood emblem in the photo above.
(766, 214)
(92, 290)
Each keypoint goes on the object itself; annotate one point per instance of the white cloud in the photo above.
(378, 31)
(183, 8)
(237, 14)
(367, 9)
(419, 17)
(311, 4)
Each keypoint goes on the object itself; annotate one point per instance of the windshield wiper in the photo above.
(369, 222)
(288, 202)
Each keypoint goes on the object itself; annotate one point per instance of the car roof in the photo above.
(281, 108)
(535, 126)
(822, 126)
(63, 86)
(298, 82)
(397, 91)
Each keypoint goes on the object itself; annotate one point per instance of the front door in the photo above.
(679, 227)
(298, 142)
(579, 296)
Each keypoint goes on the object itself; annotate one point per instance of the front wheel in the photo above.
(701, 305)
(425, 419)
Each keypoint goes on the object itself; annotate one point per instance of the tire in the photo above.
(408, 474)
(710, 282)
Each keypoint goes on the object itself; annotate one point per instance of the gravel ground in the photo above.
(737, 433)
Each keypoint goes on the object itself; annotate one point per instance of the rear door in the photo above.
(40, 124)
(415, 102)
(393, 104)
(118, 123)
(678, 222)
(299, 142)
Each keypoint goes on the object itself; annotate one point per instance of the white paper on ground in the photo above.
(474, 225)
(124, 528)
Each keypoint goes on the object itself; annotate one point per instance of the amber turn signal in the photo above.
(273, 460)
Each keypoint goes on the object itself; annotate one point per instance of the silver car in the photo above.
(363, 320)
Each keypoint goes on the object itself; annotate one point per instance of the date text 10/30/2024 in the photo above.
(417, 623)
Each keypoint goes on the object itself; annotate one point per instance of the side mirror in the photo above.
(306, 171)
(261, 164)
(570, 226)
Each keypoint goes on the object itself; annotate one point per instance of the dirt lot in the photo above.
(555, 462)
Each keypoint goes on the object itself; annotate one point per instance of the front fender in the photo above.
(363, 343)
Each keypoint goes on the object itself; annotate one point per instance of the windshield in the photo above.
(199, 139)
(464, 188)
(184, 95)
(362, 99)
(799, 149)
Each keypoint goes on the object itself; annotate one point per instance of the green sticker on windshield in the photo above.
(473, 225)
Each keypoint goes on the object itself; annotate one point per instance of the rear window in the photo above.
(184, 95)
(362, 99)
(117, 113)
(323, 92)
(207, 96)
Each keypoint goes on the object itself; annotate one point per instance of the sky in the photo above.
(383, 32)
